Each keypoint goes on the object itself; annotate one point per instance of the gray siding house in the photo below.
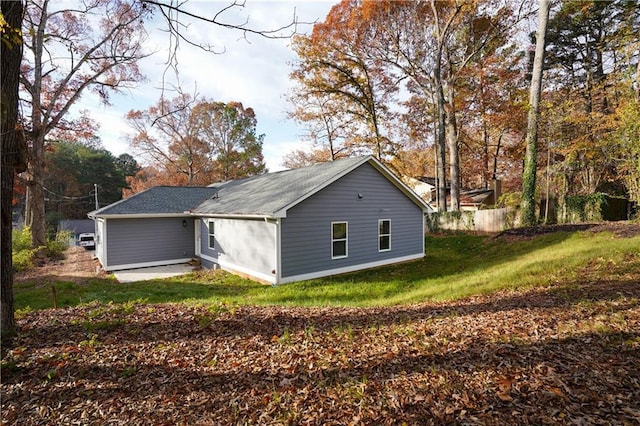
(151, 228)
(281, 227)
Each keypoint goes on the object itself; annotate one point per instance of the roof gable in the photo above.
(267, 195)
(272, 194)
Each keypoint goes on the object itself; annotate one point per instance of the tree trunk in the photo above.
(12, 152)
(440, 136)
(454, 158)
(35, 214)
(531, 156)
(638, 79)
(440, 146)
(441, 36)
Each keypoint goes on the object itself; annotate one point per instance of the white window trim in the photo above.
(209, 234)
(384, 235)
(346, 240)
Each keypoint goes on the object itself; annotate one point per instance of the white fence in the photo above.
(490, 221)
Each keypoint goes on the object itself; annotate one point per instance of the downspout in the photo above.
(278, 257)
(278, 251)
(197, 231)
(424, 232)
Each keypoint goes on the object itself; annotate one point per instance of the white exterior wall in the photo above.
(244, 246)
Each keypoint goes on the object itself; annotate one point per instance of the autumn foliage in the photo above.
(189, 141)
(440, 88)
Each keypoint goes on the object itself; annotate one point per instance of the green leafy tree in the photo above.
(73, 172)
(593, 48)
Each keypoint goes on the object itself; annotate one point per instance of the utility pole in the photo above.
(95, 193)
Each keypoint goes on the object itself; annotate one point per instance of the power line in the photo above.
(64, 197)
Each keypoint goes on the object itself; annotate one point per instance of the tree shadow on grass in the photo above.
(158, 323)
(481, 260)
(69, 291)
(156, 362)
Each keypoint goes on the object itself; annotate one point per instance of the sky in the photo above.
(254, 71)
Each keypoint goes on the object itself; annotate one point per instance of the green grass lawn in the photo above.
(455, 266)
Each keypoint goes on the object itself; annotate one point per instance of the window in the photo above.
(339, 239)
(212, 235)
(384, 235)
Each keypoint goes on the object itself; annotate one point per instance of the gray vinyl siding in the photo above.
(249, 244)
(306, 231)
(134, 241)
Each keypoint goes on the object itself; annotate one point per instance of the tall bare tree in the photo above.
(69, 51)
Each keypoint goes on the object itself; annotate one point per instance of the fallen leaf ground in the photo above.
(565, 354)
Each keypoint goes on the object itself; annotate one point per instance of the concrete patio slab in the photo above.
(153, 272)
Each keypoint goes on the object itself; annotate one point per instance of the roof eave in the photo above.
(138, 215)
(239, 215)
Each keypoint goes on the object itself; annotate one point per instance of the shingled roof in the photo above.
(270, 194)
(267, 195)
(159, 200)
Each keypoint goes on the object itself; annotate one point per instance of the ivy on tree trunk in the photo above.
(530, 161)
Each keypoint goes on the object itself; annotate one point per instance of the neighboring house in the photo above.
(281, 227)
(476, 199)
(76, 227)
(482, 198)
(424, 187)
(470, 199)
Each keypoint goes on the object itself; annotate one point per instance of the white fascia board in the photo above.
(141, 216)
(352, 268)
(233, 216)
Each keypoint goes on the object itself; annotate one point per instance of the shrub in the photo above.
(510, 199)
(585, 208)
(21, 239)
(432, 222)
(457, 220)
(21, 252)
(57, 245)
(23, 259)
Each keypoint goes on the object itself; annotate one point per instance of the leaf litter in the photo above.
(564, 354)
